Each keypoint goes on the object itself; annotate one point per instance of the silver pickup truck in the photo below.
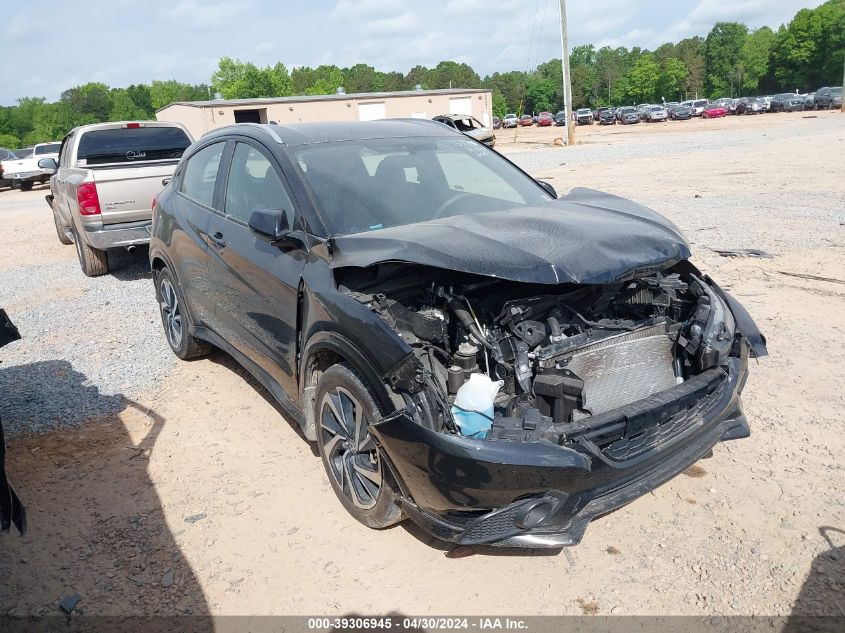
(103, 184)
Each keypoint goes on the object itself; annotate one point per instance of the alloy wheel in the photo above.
(171, 314)
(350, 450)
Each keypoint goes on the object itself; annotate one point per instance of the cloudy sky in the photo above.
(52, 45)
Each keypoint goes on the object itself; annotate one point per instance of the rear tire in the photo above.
(174, 318)
(93, 261)
(63, 238)
(359, 475)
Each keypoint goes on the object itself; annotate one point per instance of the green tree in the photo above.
(511, 85)
(123, 108)
(92, 99)
(754, 59)
(449, 74)
(163, 93)
(363, 78)
(9, 141)
(673, 72)
(691, 52)
(326, 80)
(539, 94)
(500, 106)
(643, 79)
(722, 50)
(610, 68)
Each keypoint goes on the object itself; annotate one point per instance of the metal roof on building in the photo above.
(343, 96)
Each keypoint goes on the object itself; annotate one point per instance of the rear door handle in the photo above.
(218, 240)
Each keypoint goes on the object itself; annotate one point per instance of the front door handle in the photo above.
(218, 240)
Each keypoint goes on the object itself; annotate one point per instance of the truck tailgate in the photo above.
(126, 193)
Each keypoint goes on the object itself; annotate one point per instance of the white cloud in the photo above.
(192, 13)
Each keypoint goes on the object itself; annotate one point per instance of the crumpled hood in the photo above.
(584, 237)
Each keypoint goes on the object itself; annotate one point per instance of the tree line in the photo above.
(732, 60)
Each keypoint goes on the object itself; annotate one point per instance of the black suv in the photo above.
(467, 349)
(829, 98)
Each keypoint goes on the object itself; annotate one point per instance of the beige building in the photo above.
(203, 116)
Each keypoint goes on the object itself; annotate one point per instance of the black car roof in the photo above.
(335, 131)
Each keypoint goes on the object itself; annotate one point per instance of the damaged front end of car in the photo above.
(608, 386)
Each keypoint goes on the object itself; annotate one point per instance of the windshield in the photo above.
(127, 145)
(836, 91)
(585, 111)
(366, 185)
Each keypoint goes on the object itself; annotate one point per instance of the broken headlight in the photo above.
(709, 333)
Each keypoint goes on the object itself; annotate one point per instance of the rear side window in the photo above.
(254, 184)
(131, 145)
(50, 148)
(200, 174)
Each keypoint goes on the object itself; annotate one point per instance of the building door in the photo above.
(371, 111)
(460, 105)
(258, 115)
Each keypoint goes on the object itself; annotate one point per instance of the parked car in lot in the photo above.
(497, 123)
(680, 113)
(810, 101)
(713, 111)
(607, 117)
(598, 112)
(526, 120)
(545, 119)
(829, 98)
(25, 172)
(584, 116)
(568, 361)
(103, 182)
(767, 102)
(5, 154)
(629, 115)
(510, 120)
(787, 102)
(560, 118)
(749, 105)
(656, 114)
(470, 126)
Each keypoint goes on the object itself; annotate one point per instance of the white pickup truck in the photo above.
(25, 172)
(103, 185)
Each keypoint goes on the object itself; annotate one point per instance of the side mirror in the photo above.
(271, 225)
(49, 165)
(548, 187)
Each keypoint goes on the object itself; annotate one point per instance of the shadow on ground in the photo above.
(98, 542)
(126, 266)
(820, 605)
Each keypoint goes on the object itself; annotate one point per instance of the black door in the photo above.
(192, 206)
(255, 284)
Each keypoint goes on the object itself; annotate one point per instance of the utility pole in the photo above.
(843, 83)
(569, 139)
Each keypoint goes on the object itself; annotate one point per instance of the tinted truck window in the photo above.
(131, 145)
(50, 148)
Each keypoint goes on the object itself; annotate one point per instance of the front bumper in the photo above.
(538, 494)
(107, 236)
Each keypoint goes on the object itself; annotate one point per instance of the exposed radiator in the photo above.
(622, 369)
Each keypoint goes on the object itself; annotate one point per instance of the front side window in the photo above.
(200, 174)
(254, 184)
(366, 185)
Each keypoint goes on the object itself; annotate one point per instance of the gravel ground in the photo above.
(191, 495)
(88, 343)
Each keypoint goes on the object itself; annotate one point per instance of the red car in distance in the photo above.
(545, 119)
(714, 111)
(526, 120)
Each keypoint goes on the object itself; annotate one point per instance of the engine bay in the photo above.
(553, 358)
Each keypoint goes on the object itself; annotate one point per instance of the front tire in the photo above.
(362, 481)
(27, 185)
(93, 261)
(174, 318)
